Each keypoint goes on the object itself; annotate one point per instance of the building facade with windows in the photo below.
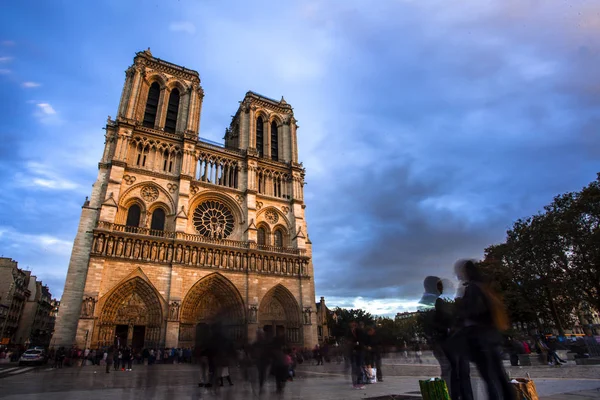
(14, 293)
(180, 233)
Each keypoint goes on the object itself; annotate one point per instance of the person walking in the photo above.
(483, 317)
(108, 356)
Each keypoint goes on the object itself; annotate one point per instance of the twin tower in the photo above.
(180, 233)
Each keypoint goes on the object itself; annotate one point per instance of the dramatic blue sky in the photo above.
(426, 127)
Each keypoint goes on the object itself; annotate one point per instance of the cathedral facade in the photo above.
(180, 233)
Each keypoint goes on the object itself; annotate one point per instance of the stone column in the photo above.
(126, 94)
(161, 111)
(293, 137)
(267, 139)
(135, 93)
(244, 134)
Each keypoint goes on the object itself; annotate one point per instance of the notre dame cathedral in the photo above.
(180, 232)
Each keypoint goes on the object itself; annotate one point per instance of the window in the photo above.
(133, 216)
(172, 109)
(278, 238)
(274, 142)
(259, 136)
(262, 235)
(158, 220)
(151, 105)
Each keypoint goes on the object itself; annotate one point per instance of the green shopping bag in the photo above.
(434, 389)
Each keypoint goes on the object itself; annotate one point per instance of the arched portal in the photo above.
(131, 315)
(279, 314)
(212, 300)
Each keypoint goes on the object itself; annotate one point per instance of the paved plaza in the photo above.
(327, 382)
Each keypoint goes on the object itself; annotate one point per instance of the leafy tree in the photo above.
(345, 316)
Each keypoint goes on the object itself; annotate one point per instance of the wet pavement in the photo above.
(313, 382)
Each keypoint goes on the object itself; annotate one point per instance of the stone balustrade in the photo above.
(143, 244)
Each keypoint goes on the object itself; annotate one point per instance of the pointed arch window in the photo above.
(278, 238)
(262, 236)
(151, 105)
(133, 216)
(274, 142)
(158, 220)
(259, 136)
(172, 110)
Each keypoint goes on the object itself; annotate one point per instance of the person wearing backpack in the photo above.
(483, 317)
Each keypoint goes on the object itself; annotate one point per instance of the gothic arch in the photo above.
(176, 83)
(156, 77)
(279, 313)
(262, 113)
(129, 196)
(282, 219)
(287, 310)
(133, 302)
(212, 300)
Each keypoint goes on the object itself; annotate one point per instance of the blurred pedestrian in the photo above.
(483, 317)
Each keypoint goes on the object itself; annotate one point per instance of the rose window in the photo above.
(213, 219)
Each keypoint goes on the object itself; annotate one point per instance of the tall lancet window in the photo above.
(274, 142)
(151, 105)
(172, 109)
(259, 136)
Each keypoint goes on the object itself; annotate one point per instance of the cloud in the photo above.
(40, 176)
(38, 242)
(379, 307)
(5, 71)
(5, 59)
(8, 43)
(31, 85)
(183, 26)
(46, 108)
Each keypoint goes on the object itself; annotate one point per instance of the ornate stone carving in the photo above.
(240, 198)
(273, 311)
(87, 307)
(132, 312)
(307, 313)
(213, 219)
(259, 205)
(174, 311)
(271, 216)
(129, 179)
(252, 314)
(285, 209)
(172, 187)
(149, 193)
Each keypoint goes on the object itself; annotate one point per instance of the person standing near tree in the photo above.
(483, 317)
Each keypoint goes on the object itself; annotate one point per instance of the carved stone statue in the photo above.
(210, 258)
(253, 263)
(217, 258)
(174, 311)
(136, 249)
(202, 256)
(194, 256)
(278, 265)
(153, 252)
(271, 265)
(186, 255)
(252, 315)
(231, 263)
(128, 248)
(238, 263)
(119, 248)
(109, 246)
(99, 244)
(87, 308)
(161, 252)
(307, 313)
(224, 259)
(169, 253)
(145, 250)
(178, 254)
